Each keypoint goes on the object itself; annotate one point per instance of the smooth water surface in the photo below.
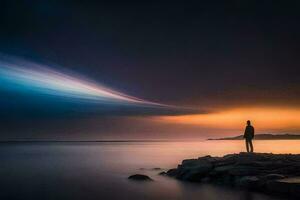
(99, 170)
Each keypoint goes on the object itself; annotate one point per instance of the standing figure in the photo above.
(249, 135)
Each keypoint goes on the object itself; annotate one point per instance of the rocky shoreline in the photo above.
(269, 173)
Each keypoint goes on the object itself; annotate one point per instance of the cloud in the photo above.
(41, 90)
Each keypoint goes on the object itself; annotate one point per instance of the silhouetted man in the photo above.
(249, 135)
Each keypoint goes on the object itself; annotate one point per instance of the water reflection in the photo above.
(100, 170)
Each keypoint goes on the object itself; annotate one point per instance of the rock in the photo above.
(243, 171)
(195, 173)
(189, 162)
(156, 168)
(223, 169)
(205, 180)
(248, 182)
(162, 173)
(172, 172)
(140, 177)
(254, 171)
(191, 175)
(153, 169)
(269, 177)
(194, 169)
(290, 186)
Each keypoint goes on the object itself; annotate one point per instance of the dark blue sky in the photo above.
(203, 54)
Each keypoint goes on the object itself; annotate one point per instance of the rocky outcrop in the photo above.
(271, 173)
(140, 177)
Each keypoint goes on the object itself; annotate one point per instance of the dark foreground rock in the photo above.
(140, 177)
(271, 173)
(162, 173)
(156, 169)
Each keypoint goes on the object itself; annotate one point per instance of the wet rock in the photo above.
(271, 173)
(243, 171)
(290, 186)
(248, 182)
(269, 177)
(195, 173)
(156, 168)
(140, 177)
(152, 169)
(223, 169)
(172, 172)
(162, 173)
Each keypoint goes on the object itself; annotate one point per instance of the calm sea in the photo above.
(87, 170)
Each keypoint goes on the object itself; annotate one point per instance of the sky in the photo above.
(148, 70)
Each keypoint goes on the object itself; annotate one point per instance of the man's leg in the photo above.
(247, 145)
(251, 145)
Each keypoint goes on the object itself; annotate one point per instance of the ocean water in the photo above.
(99, 170)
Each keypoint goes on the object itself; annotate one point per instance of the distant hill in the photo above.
(263, 137)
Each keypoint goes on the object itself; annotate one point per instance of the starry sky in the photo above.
(200, 68)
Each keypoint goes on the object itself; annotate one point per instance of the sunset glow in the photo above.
(264, 118)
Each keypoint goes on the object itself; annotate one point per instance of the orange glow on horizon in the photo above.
(263, 119)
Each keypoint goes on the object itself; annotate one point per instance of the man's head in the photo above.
(248, 123)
